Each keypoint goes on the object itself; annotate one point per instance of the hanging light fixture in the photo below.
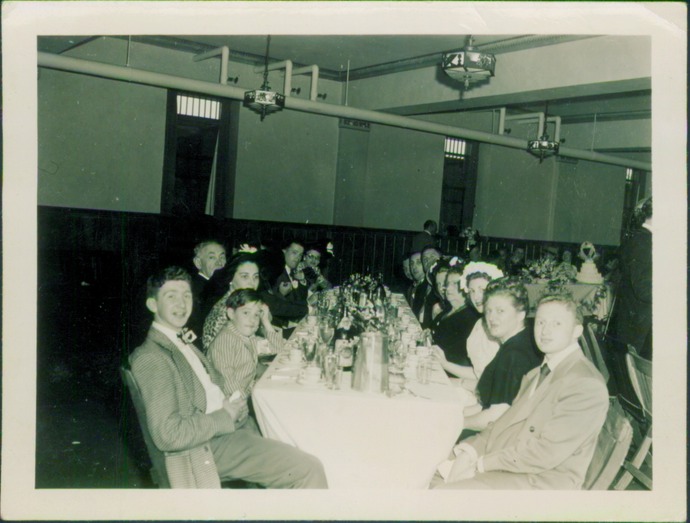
(263, 100)
(468, 65)
(543, 146)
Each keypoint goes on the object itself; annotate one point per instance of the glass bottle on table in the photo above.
(344, 336)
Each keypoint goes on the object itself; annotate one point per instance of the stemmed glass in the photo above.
(326, 329)
(309, 348)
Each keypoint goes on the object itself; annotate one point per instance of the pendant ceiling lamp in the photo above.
(543, 147)
(263, 100)
(469, 65)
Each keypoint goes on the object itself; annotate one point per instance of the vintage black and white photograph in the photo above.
(394, 257)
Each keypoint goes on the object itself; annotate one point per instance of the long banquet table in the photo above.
(364, 440)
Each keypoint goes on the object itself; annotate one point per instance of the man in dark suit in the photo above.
(426, 237)
(209, 256)
(205, 432)
(633, 312)
(289, 290)
(416, 292)
(546, 439)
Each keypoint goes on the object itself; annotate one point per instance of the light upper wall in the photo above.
(286, 167)
(101, 146)
(591, 66)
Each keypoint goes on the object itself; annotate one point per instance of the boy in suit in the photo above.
(204, 434)
(546, 439)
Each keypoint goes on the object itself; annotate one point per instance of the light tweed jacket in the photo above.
(549, 437)
(175, 403)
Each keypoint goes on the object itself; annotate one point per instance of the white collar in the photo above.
(169, 333)
(647, 226)
(555, 359)
(204, 276)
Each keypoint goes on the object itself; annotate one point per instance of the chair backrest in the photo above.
(159, 473)
(640, 372)
(612, 447)
(592, 350)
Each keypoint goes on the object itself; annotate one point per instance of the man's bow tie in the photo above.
(187, 335)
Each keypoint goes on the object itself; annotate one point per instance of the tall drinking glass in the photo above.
(326, 329)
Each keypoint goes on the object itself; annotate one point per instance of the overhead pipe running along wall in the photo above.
(127, 74)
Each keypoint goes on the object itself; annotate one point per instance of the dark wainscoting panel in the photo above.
(112, 253)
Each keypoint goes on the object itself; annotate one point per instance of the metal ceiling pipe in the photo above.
(314, 70)
(224, 53)
(285, 64)
(541, 117)
(116, 72)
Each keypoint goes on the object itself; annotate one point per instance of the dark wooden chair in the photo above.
(640, 373)
(159, 473)
(592, 350)
(612, 447)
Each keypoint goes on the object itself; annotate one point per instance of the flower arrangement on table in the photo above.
(549, 271)
(592, 305)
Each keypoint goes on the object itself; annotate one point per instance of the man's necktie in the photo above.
(543, 373)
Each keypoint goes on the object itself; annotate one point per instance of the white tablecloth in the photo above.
(364, 440)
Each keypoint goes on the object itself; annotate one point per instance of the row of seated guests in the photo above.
(478, 321)
(284, 281)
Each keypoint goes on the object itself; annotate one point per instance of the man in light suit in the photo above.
(206, 436)
(547, 438)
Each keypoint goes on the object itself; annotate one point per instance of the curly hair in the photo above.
(508, 286)
(160, 278)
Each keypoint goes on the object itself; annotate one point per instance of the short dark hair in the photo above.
(241, 297)
(508, 286)
(158, 279)
(566, 299)
(292, 241)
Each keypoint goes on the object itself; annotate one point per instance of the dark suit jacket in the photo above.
(419, 297)
(634, 307)
(291, 307)
(548, 439)
(199, 311)
(175, 402)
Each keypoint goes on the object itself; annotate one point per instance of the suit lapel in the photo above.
(525, 406)
(190, 381)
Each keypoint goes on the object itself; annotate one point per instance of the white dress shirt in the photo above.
(214, 394)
